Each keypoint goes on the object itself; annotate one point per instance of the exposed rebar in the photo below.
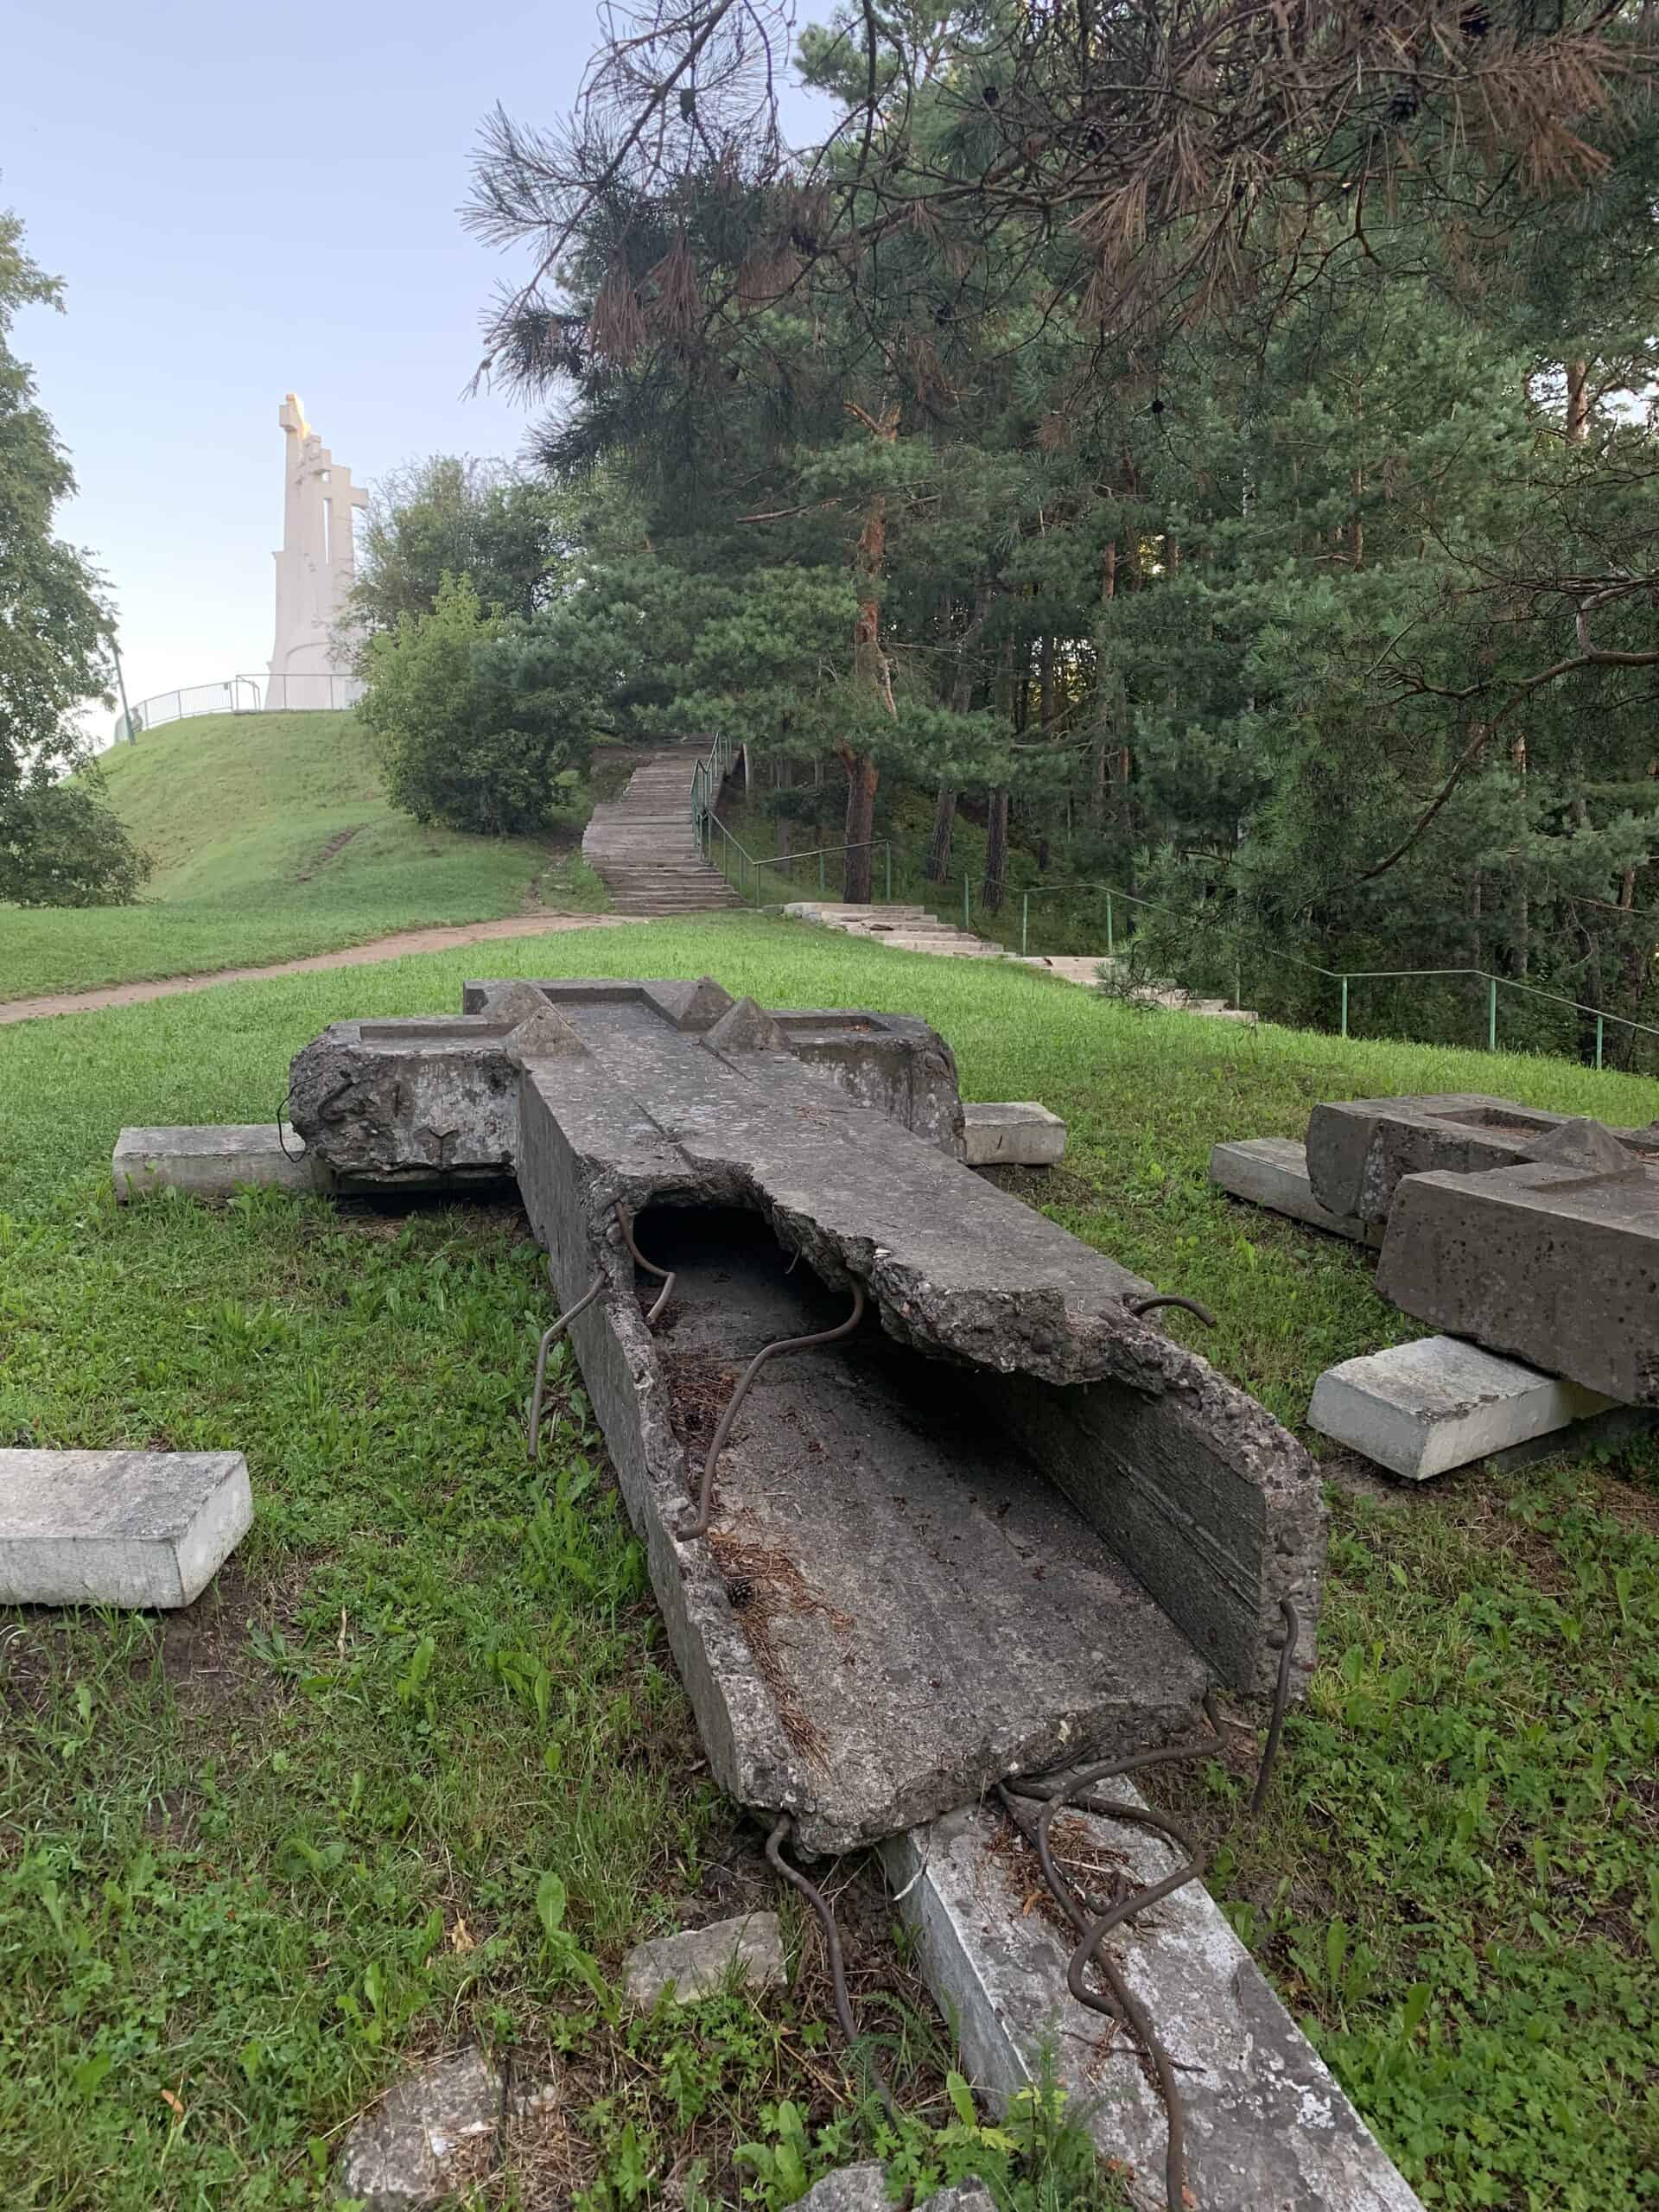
(665, 1275)
(557, 1329)
(1280, 1699)
(826, 1916)
(699, 1525)
(1139, 1306)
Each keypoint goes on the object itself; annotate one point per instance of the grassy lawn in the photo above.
(253, 1858)
(272, 838)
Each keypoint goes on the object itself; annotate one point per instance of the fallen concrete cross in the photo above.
(118, 1528)
(1555, 1261)
(1065, 1520)
(210, 1162)
(1359, 1149)
(1272, 1171)
(1423, 1409)
(1266, 2126)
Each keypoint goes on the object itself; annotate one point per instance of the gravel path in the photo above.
(350, 955)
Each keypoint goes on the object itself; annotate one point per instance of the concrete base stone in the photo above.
(1015, 1133)
(1421, 1409)
(1272, 1171)
(1267, 2129)
(700, 1961)
(864, 2189)
(1543, 1262)
(1359, 1149)
(429, 2138)
(210, 1161)
(118, 1528)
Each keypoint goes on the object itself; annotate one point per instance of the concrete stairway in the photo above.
(906, 928)
(642, 847)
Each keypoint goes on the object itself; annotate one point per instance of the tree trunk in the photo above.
(863, 776)
(1578, 401)
(945, 829)
(996, 851)
(871, 672)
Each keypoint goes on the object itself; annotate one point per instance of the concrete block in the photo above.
(1422, 1408)
(1359, 1148)
(1014, 1133)
(1267, 2129)
(210, 1161)
(699, 1961)
(118, 1528)
(1546, 1262)
(1272, 1171)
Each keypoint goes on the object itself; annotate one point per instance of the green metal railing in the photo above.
(1115, 895)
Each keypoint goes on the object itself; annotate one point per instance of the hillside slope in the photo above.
(272, 837)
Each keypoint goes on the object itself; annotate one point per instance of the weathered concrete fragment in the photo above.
(979, 1624)
(118, 1528)
(431, 2135)
(210, 1161)
(1421, 1409)
(1267, 2130)
(1359, 1148)
(1555, 1265)
(700, 1961)
(1015, 1133)
(864, 2189)
(424, 1103)
(1272, 1171)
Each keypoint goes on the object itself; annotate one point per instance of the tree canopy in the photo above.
(58, 845)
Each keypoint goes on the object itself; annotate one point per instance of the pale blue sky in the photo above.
(241, 202)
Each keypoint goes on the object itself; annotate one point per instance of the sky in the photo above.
(243, 201)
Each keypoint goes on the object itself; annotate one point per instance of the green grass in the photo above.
(253, 1858)
(272, 838)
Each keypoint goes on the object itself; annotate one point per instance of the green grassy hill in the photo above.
(272, 837)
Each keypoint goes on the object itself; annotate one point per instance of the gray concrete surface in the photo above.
(1421, 1409)
(1267, 2129)
(864, 2189)
(432, 2134)
(1555, 1264)
(1272, 1171)
(211, 1160)
(118, 1528)
(1359, 1148)
(699, 1961)
(1011, 1133)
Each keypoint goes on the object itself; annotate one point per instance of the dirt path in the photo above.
(351, 956)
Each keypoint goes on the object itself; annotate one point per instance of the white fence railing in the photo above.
(239, 694)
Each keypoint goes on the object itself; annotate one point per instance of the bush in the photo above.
(59, 847)
(465, 737)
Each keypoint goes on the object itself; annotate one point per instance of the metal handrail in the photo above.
(1345, 977)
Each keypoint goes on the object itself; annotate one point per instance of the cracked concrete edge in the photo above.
(1267, 2128)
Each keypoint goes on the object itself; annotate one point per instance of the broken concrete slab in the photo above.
(429, 2137)
(1266, 2126)
(1554, 1265)
(699, 1962)
(984, 1621)
(1423, 1409)
(1359, 1148)
(118, 1528)
(432, 1103)
(210, 1161)
(1272, 1171)
(1014, 1133)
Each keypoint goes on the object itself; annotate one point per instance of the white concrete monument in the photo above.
(315, 567)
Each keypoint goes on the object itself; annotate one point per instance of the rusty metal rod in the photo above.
(1280, 1699)
(699, 1526)
(665, 1275)
(826, 1916)
(557, 1329)
(1139, 1306)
